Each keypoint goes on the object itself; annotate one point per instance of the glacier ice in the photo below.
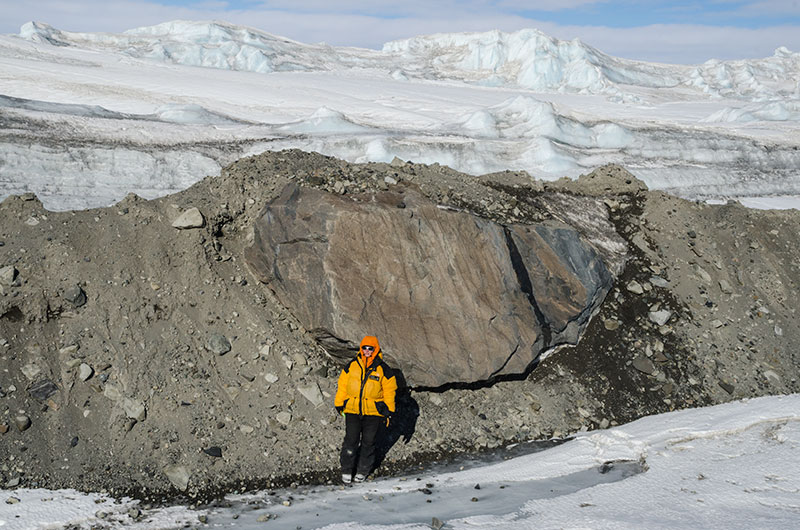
(478, 102)
(526, 58)
(768, 111)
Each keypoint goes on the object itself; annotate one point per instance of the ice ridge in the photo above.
(527, 58)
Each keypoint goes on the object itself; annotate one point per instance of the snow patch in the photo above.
(769, 111)
(191, 114)
(324, 121)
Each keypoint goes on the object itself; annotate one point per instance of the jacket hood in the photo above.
(369, 340)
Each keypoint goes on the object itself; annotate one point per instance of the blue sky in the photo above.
(652, 30)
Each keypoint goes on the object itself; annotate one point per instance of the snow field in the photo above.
(730, 466)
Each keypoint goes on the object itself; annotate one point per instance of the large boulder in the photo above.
(453, 298)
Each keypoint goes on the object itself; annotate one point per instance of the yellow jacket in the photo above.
(368, 385)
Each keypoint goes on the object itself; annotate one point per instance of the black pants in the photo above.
(359, 442)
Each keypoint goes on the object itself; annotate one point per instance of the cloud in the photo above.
(351, 26)
(685, 43)
(774, 7)
(421, 8)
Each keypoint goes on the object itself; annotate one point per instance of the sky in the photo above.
(650, 30)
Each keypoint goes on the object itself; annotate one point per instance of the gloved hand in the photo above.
(340, 410)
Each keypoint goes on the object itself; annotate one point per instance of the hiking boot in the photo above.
(360, 477)
(347, 478)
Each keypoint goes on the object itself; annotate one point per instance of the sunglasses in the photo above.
(365, 348)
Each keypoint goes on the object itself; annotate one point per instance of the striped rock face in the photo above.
(453, 298)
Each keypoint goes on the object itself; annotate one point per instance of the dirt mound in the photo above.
(143, 358)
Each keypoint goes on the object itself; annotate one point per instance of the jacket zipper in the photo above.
(365, 373)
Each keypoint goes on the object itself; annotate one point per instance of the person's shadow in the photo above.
(403, 422)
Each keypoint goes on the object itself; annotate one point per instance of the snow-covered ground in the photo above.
(87, 118)
(730, 466)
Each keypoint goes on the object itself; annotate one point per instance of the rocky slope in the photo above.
(141, 355)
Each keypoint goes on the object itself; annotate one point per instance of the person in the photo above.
(365, 396)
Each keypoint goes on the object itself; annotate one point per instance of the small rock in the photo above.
(658, 281)
(3, 428)
(725, 287)
(134, 409)
(178, 476)
(263, 518)
(101, 514)
(660, 317)
(436, 523)
(726, 386)
(604, 423)
(289, 363)
(635, 287)
(312, 393)
(474, 499)
(213, 451)
(134, 513)
(72, 363)
(22, 422)
(75, 296)
(644, 365)
(13, 483)
(270, 377)
(42, 389)
(284, 417)
(611, 324)
(191, 218)
(112, 392)
(299, 359)
(85, 372)
(246, 429)
(8, 275)
(389, 180)
(203, 519)
(72, 349)
(31, 370)
(702, 274)
(218, 344)
(12, 500)
(716, 323)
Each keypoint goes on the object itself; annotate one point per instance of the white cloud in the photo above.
(663, 43)
(683, 43)
(771, 8)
